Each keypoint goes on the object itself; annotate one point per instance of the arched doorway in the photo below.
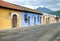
(14, 21)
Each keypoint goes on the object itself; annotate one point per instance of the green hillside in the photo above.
(56, 13)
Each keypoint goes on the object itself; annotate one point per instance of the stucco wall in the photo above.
(32, 15)
(51, 19)
(6, 20)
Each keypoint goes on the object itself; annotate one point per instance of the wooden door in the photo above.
(14, 21)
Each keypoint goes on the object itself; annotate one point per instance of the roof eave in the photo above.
(21, 10)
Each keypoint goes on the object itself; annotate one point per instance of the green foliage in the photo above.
(56, 13)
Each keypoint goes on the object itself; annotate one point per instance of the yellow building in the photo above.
(11, 15)
(7, 16)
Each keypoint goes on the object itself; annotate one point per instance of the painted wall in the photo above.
(6, 20)
(51, 19)
(44, 19)
(32, 15)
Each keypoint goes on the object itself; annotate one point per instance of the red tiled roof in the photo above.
(9, 5)
(13, 6)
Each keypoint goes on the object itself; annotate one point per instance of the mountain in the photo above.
(44, 10)
(56, 13)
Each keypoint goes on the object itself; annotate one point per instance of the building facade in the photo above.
(31, 19)
(48, 18)
(14, 16)
(57, 18)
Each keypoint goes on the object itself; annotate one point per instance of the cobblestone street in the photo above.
(33, 33)
(56, 37)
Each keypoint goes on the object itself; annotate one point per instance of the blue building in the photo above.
(30, 19)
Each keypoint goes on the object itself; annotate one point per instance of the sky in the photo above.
(50, 4)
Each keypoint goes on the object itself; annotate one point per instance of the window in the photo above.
(25, 17)
(38, 18)
(28, 20)
(35, 20)
(47, 20)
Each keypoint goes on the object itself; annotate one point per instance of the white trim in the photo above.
(15, 14)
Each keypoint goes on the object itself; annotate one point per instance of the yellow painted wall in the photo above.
(51, 19)
(6, 20)
(43, 19)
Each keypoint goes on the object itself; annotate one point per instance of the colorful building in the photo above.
(14, 16)
(57, 18)
(48, 18)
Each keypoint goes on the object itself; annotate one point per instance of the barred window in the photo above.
(25, 18)
(35, 20)
(38, 18)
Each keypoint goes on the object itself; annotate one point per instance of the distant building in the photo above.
(57, 18)
(48, 18)
(14, 16)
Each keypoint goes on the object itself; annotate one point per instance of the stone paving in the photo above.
(56, 37)
(33, 33)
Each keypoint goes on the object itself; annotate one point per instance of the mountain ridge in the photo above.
(44, 10)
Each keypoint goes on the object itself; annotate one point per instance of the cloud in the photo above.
(10, 0)
(51, 4)
(54, 7)
(58, 3)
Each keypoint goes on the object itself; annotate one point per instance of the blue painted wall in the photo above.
(32, 15)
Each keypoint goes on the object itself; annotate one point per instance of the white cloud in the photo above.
(42, 6)
(51, 4)
(32, 7)
(58, 3)
(9, 0)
